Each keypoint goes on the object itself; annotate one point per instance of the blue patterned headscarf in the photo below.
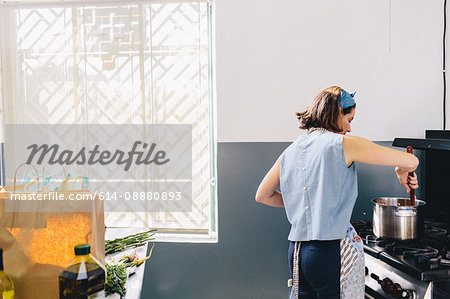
(346, 99)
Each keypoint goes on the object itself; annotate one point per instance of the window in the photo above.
(117, 63)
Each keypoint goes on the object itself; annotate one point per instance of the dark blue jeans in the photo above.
(320, 266)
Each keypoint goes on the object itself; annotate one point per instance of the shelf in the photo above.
(423, 144)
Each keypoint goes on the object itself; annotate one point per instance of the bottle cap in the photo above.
(82, 249)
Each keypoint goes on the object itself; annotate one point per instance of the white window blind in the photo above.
(100, 62)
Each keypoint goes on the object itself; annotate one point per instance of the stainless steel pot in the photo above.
(394, 217)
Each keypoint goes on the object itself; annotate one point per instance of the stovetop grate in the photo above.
(427, 258)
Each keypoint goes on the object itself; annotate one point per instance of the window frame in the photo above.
(167, 235)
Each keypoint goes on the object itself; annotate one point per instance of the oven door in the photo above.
(379, 273)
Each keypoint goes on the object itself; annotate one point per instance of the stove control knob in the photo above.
(397, 290)
(387, 285)
(366, 270)
(409, 294)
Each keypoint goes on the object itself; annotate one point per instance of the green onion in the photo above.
(120, 244)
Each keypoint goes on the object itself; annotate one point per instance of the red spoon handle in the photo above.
(412, 192)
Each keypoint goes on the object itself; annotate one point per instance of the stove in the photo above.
(417, 268)
(407, 269)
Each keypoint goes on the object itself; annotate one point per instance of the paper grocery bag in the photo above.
(38, 244)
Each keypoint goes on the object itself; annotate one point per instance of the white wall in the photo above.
(273, 57)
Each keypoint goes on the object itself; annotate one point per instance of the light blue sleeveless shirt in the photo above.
(318, 189)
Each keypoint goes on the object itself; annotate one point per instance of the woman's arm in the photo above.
(267, 192)
(357, 149)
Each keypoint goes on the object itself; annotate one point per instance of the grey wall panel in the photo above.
(250, 260)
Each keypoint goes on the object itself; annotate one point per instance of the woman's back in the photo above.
(318, 189)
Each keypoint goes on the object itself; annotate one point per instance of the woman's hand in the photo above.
(407, 181)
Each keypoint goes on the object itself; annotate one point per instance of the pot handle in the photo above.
(405, 212)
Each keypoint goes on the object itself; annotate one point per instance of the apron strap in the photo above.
(296, 268)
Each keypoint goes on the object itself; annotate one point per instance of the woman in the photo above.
(318, 188)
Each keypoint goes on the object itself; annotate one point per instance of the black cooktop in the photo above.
(427, 258)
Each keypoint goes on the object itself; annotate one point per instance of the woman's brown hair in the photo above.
(324, 111)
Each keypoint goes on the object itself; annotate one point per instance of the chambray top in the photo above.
(318, 189)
